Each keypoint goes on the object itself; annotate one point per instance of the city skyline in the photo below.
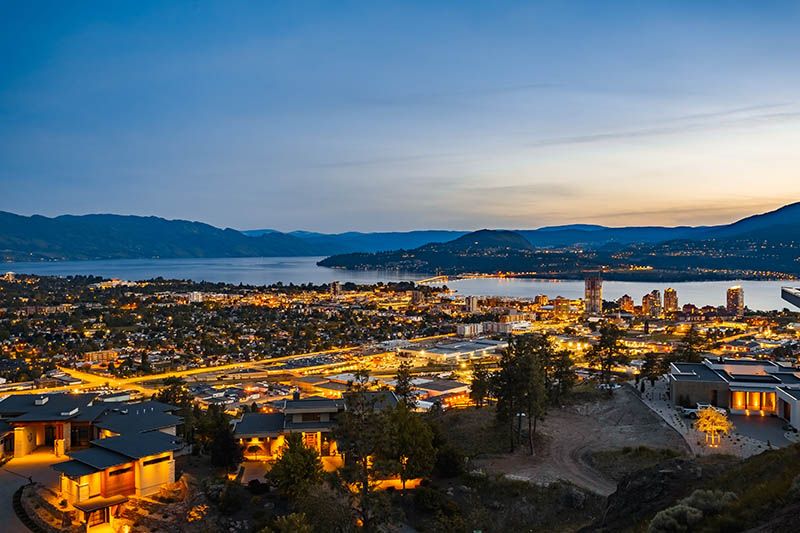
(396, 117)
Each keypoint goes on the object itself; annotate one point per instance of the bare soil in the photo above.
(575, 432)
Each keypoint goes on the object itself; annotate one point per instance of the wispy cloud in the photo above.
(689, 127)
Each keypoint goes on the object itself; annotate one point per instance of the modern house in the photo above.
(262, 435)
(791, 295)
(115, 449)
(744, 386)
(64, 421)
(98, 479)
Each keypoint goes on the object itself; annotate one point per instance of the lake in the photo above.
(761, 295)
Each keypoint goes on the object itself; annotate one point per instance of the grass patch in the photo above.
(616, 464)
(473, 431)
(762, 484)
(586, 392)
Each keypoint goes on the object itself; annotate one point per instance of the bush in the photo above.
(675, 519)
(256, 487)
(709, 502)
(231, 498)
(431, 501)
(449, 462)
(794, 489)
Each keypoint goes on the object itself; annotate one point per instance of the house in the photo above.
(52, 420)
(62, 421)
(98, 479)
(115, 449)
(744, 386)
(263, 435)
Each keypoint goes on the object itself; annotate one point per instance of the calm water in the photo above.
(762, 295)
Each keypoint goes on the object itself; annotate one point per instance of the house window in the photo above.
(120, 471)
(739, 400)
(155, 461)
(769, 401)
(311, 417)
(754, 401)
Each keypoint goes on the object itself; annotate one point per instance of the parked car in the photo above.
(609, 386)
(692, 412)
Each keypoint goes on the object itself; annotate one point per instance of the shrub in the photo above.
(256, 487)
(675, 519)
(709, 502)
(231, 498)
(431, 501)
(449, 462)
(794, 488)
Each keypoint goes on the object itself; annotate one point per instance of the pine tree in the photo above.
(607, 353)
(403, 387)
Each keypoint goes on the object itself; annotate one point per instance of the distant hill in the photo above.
(763, 246)
(766, 241)
(120, 237)
(354, 241)
(484, 240)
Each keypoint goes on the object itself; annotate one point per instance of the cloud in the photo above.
(691, 127)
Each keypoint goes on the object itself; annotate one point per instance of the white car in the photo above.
(609, 386)
(692, 412)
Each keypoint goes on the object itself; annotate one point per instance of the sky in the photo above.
(373, 115)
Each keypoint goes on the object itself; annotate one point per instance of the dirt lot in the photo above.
(574, 433)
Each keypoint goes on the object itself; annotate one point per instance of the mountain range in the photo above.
(757, 247)
(106, 236)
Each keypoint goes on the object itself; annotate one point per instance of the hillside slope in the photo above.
(115, 237)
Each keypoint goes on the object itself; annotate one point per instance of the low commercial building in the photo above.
(744, 386)
(455, 352)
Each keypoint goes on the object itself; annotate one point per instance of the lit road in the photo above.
(91, 380)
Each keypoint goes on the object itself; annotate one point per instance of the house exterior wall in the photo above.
(788, 403)
(26, 439)
(699, 391)
(151, 477)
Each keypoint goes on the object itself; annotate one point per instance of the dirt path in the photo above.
(574, 433)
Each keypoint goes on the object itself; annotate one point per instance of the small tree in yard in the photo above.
(359, 434)
(408, 448)
(297, 469)
(714, 424)
(607, 353)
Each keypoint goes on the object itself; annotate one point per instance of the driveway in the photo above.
(764, 428)
(14, 474)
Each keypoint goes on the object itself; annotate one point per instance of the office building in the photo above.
(471, 304)
(626, 304)
(593, 293)
(670, 300)
(336, 289)
(735, 301)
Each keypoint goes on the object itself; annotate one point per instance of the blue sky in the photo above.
(401, 115)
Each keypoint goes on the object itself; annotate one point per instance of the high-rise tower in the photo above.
(593, 293)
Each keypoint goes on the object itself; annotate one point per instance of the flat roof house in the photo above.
(744, 386)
